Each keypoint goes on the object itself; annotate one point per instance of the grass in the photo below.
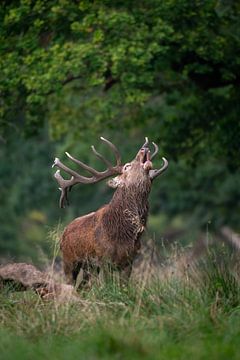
(193, 314)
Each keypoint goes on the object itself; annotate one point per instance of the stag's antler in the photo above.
(156, 172)
(66, 185)
(145, 145)
(155, 150)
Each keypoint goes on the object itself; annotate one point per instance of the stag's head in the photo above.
(138, 171)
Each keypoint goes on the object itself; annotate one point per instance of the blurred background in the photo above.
(72, 71)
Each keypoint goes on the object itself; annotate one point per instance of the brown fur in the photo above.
(112, 233)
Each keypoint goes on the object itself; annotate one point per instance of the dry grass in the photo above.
(168, 311)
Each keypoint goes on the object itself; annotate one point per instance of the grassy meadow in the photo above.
(73, 72)
(191, 312)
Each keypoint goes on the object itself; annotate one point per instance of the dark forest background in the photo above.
(72, 71)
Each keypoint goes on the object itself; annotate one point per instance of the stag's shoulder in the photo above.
(85, 217)
(78, 224)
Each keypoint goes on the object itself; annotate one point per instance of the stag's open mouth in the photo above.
(146, 158)
(143, 155)
(145, 152)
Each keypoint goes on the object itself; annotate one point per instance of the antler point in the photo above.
(103, 139)
(55, 162)
(56, 173)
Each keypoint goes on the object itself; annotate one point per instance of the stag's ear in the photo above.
(115, 182)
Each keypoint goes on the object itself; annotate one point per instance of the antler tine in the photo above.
(105, 161)
(146, 143)
(156, 172)
(115, 150)
(63, 198)
(84, 166)
(155, 150)
(75, 176)
(66, 184)
(63, 188)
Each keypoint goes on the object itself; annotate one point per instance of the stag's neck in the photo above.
(127, 213)
(131, 198)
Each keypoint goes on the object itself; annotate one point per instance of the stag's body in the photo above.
(112, 233)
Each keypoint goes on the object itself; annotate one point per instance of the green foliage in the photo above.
(206, 193)
(171, 67)
(24, 194)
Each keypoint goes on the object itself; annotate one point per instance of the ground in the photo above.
(193, 313)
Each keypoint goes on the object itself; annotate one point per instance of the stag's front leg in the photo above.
(125, 274)
(68, 269)
(89, 273)
(72, 272)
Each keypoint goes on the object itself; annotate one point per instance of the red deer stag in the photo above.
(113, 232)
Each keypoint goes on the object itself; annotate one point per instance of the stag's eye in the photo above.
(126, 166)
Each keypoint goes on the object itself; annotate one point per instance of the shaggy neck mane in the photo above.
(127, 212)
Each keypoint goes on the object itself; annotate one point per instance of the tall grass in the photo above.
(195, 312)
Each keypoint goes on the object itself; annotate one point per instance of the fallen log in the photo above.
(22, 276)
(230, 237)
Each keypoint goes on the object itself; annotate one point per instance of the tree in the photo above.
(170, 66)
